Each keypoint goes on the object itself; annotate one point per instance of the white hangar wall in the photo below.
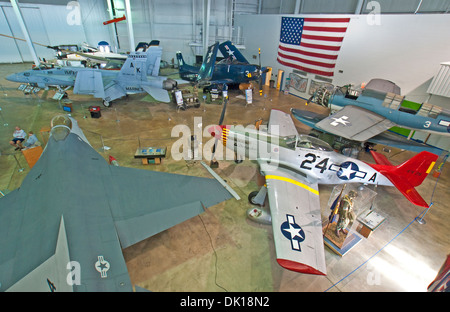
(406, 49)
(46, 24)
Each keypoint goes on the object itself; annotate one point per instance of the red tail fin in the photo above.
(407, 175)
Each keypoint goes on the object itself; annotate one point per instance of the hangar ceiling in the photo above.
(312, 6)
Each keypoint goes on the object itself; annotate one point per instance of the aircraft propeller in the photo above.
(222, 116)
(261, 72)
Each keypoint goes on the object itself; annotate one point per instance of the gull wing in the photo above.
(355, 123)
(296, 220)
(152, 201)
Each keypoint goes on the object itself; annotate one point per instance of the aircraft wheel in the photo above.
(106, 103)
(252, 196)
(236, 159)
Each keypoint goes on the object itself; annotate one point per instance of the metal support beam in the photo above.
(206, 18)
(359, 7)
(130, 25)
(418, 7)
(113, 27)
(297, 6)
(18, 13)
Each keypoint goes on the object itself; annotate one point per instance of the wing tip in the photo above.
(299, 267)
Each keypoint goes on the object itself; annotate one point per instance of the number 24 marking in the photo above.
(311, 159)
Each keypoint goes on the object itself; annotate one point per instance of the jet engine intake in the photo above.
(169, 84)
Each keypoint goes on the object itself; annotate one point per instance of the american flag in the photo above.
(311, 44)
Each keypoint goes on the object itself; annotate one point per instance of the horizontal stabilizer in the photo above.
(158, 94)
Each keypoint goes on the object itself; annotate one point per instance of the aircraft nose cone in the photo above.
(13, 77)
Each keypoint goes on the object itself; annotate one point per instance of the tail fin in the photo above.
(229, 49)
(140, 64)
(407, 175)
(180, 60)
(207, 69)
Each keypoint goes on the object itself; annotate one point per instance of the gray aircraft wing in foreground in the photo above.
(65, 227)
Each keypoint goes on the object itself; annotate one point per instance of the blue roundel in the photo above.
(347, 171)
(292, 231)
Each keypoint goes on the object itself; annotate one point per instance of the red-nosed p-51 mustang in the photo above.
(294, 165)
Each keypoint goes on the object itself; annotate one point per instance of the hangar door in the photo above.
(13, 50)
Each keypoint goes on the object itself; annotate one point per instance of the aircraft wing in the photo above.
(89, 81)
(217, 82)
(296, 220)
(152, 201)
(98, 58)
(206, 71)
(158, 94)
(228, 49)
(389, 138)
(281, 124)
(355, 123)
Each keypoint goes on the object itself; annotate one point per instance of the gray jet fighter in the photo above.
(65, 227)
(139, 74)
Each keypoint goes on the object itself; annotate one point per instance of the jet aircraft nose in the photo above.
(14, 77)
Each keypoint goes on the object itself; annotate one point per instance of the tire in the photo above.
(251, 197)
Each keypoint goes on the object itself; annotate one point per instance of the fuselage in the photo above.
(66, 76)
(308, 156)
(225, 70)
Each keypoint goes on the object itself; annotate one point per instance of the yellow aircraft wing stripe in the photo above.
(431, 167)
(306, 187)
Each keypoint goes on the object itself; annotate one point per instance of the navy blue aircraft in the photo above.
(233, 69)
(378, 108)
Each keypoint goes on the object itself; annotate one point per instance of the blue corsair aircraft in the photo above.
(234, 69)
(378, 108)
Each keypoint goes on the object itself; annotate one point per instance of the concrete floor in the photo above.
(221, 250)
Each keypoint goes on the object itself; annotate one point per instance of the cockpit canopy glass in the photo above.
(305, 141)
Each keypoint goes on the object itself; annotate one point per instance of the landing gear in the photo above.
(258, 214)
(251, 198)
(238, 160)
(107, 103)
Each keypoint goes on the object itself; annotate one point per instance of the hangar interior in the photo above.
(222, 249)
